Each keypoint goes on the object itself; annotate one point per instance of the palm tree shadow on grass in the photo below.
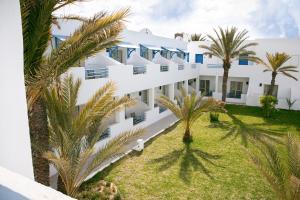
(191, 159)
(248, 132)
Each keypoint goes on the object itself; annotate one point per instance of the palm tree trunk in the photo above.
(39, 141)
(271, 89)
(226, 67)
(187, 137)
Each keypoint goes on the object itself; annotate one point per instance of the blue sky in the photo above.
(262, 18)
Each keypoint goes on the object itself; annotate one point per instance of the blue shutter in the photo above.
(243, 61)
(199, 58)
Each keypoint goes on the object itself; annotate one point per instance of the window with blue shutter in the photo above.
(199, 58)
(243, 61)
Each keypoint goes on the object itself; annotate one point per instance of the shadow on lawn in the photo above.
(191, 159)
(237, 128)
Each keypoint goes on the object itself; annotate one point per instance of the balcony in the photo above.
(138, 118)
(105, 134)
(162, 109)
(234, 95)
(95, 73)
(207, 93)
(214, 65)
(164, 68)
(180, 67)
(193, 66)
(139, 69)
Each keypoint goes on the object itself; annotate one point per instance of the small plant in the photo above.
(282, 174)
(214, 117)
(268, 104)
(104, 191)
(290, 103)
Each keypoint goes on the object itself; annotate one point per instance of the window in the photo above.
(199, 58)
(267, 88)
(236, 89)
(204, 87)
(117, 55)
(243, 61)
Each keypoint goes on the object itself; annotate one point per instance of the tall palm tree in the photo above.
(198, 37)
(189, 109)
(229, 44)
(74, 132)
(42, 68)
(275, 65)
(285, 182)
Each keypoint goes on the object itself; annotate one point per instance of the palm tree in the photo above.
(74, 132)
(228, 45)
(42, 68)
(285, 182)
(189, 109)
(275, 65)
(198, 37)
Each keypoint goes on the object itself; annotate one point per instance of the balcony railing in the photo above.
(101, 72)
(105, 134)
(180, 67)
(162, 109)
(236, 95)
(164, 68)
(139, 118)
(207, 93)
(139, 69)
(214, 65)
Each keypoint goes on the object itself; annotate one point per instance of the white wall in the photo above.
(255, 72)
(14, 186)
(15, 150)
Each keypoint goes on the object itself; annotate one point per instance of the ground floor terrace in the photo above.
(215, 166)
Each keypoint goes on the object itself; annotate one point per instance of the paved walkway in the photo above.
(150, 132)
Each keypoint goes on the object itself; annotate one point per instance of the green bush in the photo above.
(214, 117)
(268, 104)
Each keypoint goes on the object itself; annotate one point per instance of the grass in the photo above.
(215, 166)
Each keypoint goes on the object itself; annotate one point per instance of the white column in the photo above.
(171, 91)
(15, 148)
(217, 84)
(186, 85)
(120, 116)
(151, 98)
(197, 84)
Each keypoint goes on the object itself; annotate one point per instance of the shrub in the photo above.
(101, 191)
(214, 117)
(290, 103)
(268, 104)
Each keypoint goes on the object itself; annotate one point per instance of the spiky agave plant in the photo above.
(189, 109)
(74, 132)
(228, 45)
(276, 66)
(284, 181)
(41, 68)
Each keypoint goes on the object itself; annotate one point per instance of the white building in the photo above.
(145, 66)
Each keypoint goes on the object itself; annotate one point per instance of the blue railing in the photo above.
(164, 68)
(206, 93)
(139, 118)
(105, 134)
(214, 65)
(235, 95)
(94, 73)
(139, 69)
(180, 67)
(162, 109)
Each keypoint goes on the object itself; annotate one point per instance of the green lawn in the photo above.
(214, 166)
